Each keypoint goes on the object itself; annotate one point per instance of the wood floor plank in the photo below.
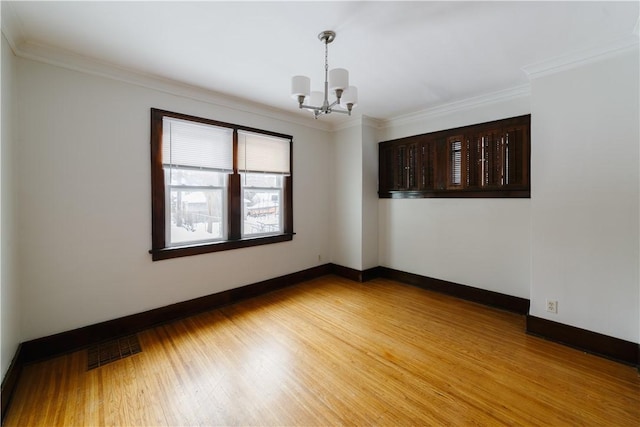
(335, 352)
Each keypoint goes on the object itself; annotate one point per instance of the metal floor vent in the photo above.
(110, 351)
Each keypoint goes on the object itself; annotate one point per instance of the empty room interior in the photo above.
(320, 213)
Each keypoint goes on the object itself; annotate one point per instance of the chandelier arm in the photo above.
(310, 107)
(321, 110)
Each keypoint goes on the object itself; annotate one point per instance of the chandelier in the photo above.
(336, 81)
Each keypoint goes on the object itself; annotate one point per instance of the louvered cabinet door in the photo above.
(487, 165)
(408, 166)
(495, 164)
(456, 162)
(428, 171)
(516, 157)
(497, 159)
(412, 167)
(399, 167)
(393, 164)
(386, 170)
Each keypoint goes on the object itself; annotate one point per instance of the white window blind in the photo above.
(198, 145)
(261, 153)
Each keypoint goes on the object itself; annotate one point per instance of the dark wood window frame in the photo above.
(160, 250)
(485, 160)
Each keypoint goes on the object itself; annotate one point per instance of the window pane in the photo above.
(261, 180)
(196, 215)
(262, 196)
(193, 177)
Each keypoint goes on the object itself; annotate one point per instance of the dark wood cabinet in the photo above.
(405, 166)
(483, 160)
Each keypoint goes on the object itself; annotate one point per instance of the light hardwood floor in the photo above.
(335, 352)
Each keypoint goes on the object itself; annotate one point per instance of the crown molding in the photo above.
(518, 92)
(65, 59)
(371, 122)
(11, 25)
(358, 122)
(582, 57)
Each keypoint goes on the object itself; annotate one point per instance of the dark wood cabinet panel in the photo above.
(483, 160)
(427, 175)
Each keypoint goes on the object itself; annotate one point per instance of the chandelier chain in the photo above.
(325, 103)
(326, 56)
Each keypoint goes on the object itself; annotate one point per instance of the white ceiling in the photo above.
(403, 56)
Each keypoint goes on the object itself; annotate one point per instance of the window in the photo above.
(263, 161)
(484, 160)
(196, 159)
(217, 186)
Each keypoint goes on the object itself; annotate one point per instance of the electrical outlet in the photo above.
(552, 306)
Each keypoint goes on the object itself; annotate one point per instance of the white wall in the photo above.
(355, 205)
(484, 243)
(369, 194)
(10, 292)
(585, 196)
(84, 199)
(346, 216)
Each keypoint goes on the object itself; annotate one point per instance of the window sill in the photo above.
(180, 251)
